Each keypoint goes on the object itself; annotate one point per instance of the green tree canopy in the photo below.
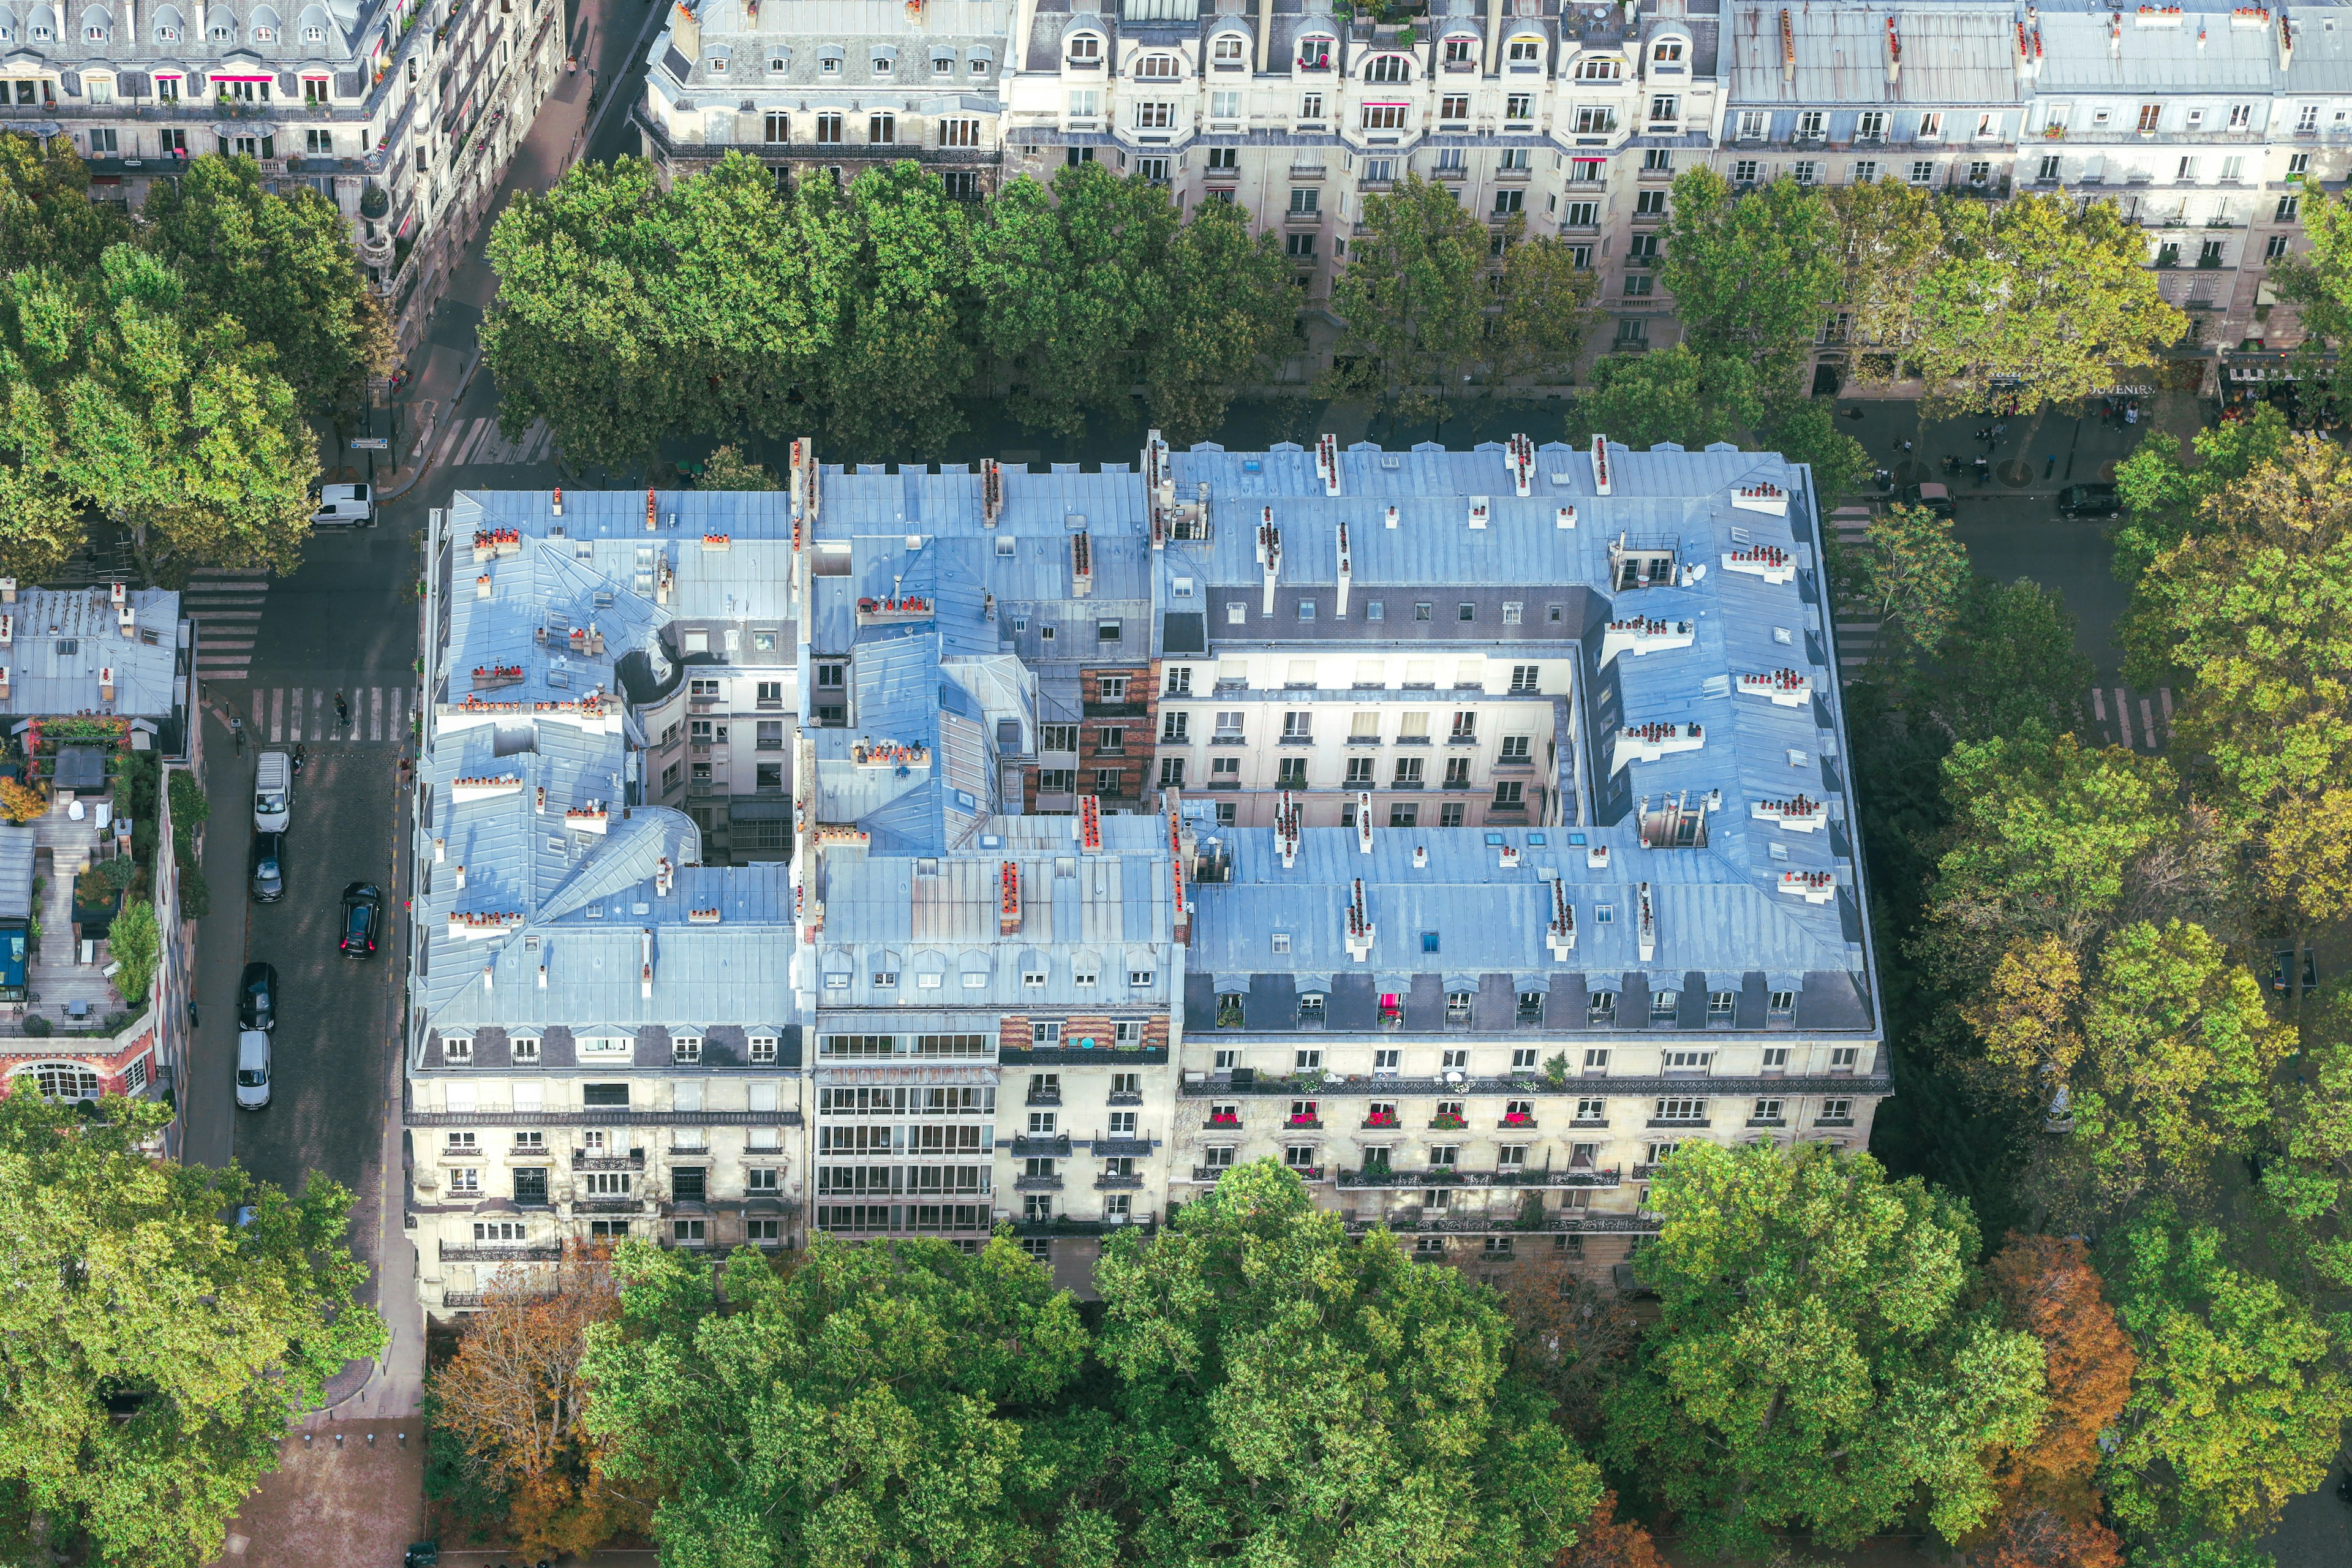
(157, 413)
(1543, 311)
(1752, 273)
(905, 353)
(1814, 1363)
(2036, 300)
(280, 266)
(728, 469)
(156, 1354)
(1069, 283)
(2164, 499)
(626, 312)
(2240, 1394)
(2310, 1181)
(2007, 661)
(1233, 309)
(869, 1407)
(1674, 395)
(1890, 237)
(47, 219)
(1911, 577)
(1288, 1395)
(1413, 299)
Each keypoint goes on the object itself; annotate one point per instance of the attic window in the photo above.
(1004, 546)
(1281, 941)
(1429, 941)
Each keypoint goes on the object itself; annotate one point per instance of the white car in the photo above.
(344, 505)
(252, 1070)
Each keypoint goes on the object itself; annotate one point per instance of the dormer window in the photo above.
(979, 67)
(1158, 67)
(1228, 50)
(93, 35)
(1606, 68)
(1523, 51)
(829, 66)
(1387, 68)
(1315, 54)
(1667, 52)
(314, 35)
(884, 65)
(1461, 53)
(217, 34)
(686, 1049)
(1086, 51)
(264, 34)
(457, 1050)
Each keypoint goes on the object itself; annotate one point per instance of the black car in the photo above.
(269, 867)
(2088, 501)
(1936, 499)
(257, 997)
(363, 913)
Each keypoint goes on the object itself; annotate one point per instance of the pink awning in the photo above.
(219, 78)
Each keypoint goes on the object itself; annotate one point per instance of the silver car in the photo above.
(252, 1070)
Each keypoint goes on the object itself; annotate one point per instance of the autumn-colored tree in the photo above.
(2044, 1538)
(20, 803)
(514, 1398)
(1568, 1338)
(2047, 1287)
(1608, 1541)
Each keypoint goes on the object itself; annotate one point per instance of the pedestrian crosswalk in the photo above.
(284, 715)
(227, 605)
(2141, 721)
(1857, 630)
(479, 441)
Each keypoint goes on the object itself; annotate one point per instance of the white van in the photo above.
(273, 793)
(344, 505)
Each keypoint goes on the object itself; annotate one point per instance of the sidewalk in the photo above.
(2040, 454)
(447, 363)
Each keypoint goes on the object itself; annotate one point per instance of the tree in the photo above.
(1752, 274)
(1569, 1343)
(1890, 237)
(2258, 611)
(40, 521)
(1412, 299)
(2310, 1181)
(2008, 661)
(904, 352)
(2047, 1288)
(157, 1354)
(1674, 395)
(1608, 1541)
(159, 415)
(2052, 839)
(1804, 430)
(280, 266)
(1912, 577)
(626, 312)
(136, 941)
(728, 469)
(513, 1397)
(1233, 309)
(2044, 1538)
(2036, 300)
(21, 802)
(1069, 284)
(2239, 1394)
(47, 219)
(1813, 1364)
(869, 1405)
(1545, 308)
(1288, 1394)
(2164, 499)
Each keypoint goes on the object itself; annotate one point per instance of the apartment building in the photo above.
(830, 88)
(1572, 117)
(1534, 749)
(402, 113)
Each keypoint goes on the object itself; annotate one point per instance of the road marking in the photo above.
(2148, 723)
(2099, 704)
(375, 712)
(2123, 719)
(278, 716)
(210, 616)
(257, 713)
(227, 646)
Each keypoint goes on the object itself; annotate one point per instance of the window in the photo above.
(1408, 774)
(1107, 782)
(1158, 67)
(1175, 727)
(1405, 815)
(1842, 1058)
(1922, 171)
(1383, 117)
(1523, 51)
(1223, 106)
(1110, 689)
(1835, 1114)
(1314, 54)
(828, 126)
(1291, 775)
(1084, 104)
(1310, 106)
(1085, 49)
(1591, 1112)
(1663, 1005)
(2288, 206)
(1457, 1007)
(1805, 171)
(1453, 107)
(1865, 172)
(958, 133)
(1509, 795)
(466, 1182)
(1595, 121)
(1687, 1061)
(1691, 1110)
(1155, 116)
(2048, 173)
(1721, 1006)
(1663, 108)
(457, 1050)
(1599, 1006)
(1519, 106)
(2278, 247)
(2306, 120)
(1509, 202)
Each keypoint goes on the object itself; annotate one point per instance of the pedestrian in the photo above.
(2049, 465)
(343, 714)
(2000, 430)
(236, 733)
(1906, 449)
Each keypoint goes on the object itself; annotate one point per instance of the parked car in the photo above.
(257, 997)
(344, 505)
(1937, 498)
(269, 867)
(273, 793)
(252, 1070)
(363, 913)
(2088, 501)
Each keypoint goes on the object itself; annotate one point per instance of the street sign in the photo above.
(369, 443)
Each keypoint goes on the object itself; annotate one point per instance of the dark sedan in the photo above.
(269, 867)
(257, 997)
(362, 915)
(2088, 501)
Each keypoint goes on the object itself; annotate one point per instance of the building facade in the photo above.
(1536, 855)
(402, 113)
